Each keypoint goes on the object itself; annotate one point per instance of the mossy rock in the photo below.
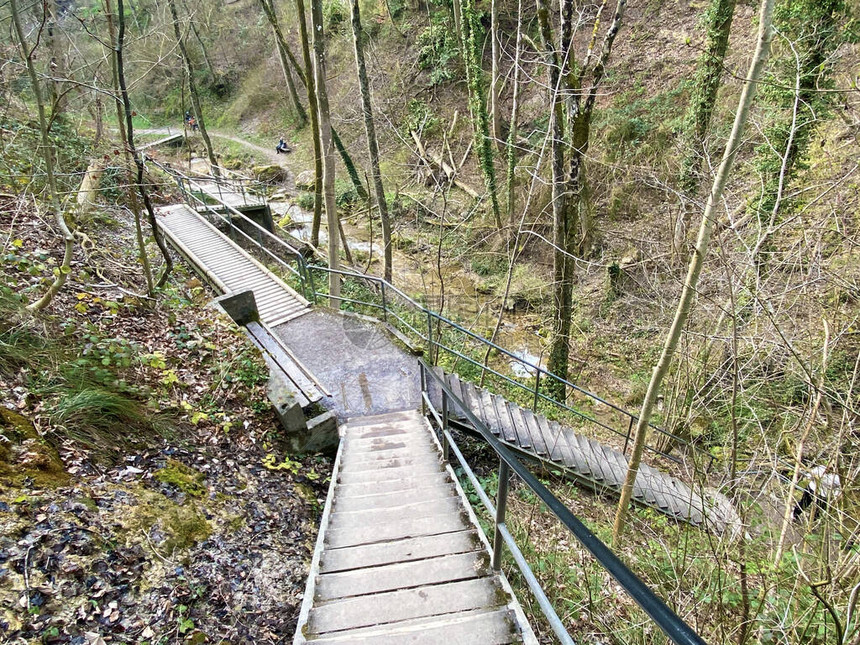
(306, 180)
(24, 455)
(271, 174)
(185, 478)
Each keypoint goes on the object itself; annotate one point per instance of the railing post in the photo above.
(501, 507)
(384, 304)
(311, 281)
(446, 449)
(537, 389)
(627, 438)
(432, 354)
(423, 389)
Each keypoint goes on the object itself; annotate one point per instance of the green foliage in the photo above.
(640, 125)
(420, 118)
(335, 16)
(345, 195)
(438, 50)
(105, 420)
(815, 28)
(21, 169)
(306, 201)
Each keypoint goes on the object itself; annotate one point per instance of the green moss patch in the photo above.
(24, 455)
(185, 478)
(178, 526)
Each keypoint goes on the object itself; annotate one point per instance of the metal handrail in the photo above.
(667, 620)
(305, 270)
(300, 271)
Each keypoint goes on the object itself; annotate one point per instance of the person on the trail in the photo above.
(282, 147)
(193, 123)
(820, 488)
(187, 116)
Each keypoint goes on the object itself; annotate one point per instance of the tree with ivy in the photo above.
(703, 97)
(797, 94)
(472, 37)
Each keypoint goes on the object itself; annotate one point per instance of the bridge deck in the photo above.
(399, 557)
(225, 191)
(227, 266)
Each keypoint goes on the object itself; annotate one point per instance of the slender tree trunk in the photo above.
(200, 42)
(308, 79)
(192, 89)
(327, 146)
(120, 119)
(557, 363)
(709, 70)
(495, 81)
(57, 67)
(141, 187)
(457, 10)
(269, 9)
(765, 35)
(48, 155)
(370, 129)
(512, 132)
(341, 149)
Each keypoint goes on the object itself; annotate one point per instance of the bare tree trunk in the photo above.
(141, 187)
(120, 118)
(512, 132)
(571, 221)
(200, 42)
(370, 129)
(48, 155)
(557, 363)
(495, 81)
(327, 146)
(192, 89)
(310, 84)
(269, 9)
(57, 68)
(765, 35)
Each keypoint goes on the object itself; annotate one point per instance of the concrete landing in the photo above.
(400, 557)
(357, 362)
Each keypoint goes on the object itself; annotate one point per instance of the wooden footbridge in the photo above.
(400, 556)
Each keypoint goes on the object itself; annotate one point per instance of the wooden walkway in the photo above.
(228, 267)
(399, 557)
(599, 466)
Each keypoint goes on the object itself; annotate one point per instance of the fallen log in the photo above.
(437, 160)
